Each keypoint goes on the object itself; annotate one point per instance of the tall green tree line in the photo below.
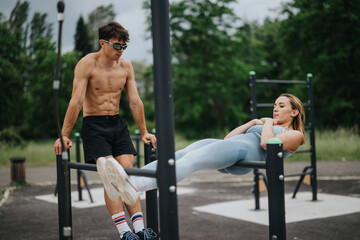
(211, 61)
(212, 52)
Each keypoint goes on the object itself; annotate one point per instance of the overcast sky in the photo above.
(130, 14)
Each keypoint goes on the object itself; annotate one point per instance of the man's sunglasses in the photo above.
(116, 46)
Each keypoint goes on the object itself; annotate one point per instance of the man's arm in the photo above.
(137, 106)
(81, 78)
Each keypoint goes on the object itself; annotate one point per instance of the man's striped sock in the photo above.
(120, 222)
(137, 221)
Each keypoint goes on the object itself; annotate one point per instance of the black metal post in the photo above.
(275, 176)
(137, 142)
(252, 77)
(256, 189)
(312, 136)
(151, 196)
(169, 228)
(64, 199)
(253, 110)
(78, 171)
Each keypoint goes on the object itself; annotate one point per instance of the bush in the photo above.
(10, 137)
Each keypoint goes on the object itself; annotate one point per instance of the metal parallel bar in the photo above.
(297, 174)
(276, 190)
(264, 105)
(152, 218)
(303, 151)
(169, 226)
(130, 171)
(252, 164)
(295, 82)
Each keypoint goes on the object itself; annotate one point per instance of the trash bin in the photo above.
(17, 170)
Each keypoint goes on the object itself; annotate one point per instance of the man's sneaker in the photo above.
(147, 234)
(121, 181)
(130, 236)
(110, 190)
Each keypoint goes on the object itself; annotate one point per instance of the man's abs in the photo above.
(103, 92)
(101, 104)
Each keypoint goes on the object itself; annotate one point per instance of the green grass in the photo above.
(339, 145)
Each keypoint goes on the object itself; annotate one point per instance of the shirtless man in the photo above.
(99, 79)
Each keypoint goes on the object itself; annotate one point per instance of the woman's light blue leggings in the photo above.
(213, 154)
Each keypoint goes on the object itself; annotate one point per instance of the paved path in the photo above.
(25, 217)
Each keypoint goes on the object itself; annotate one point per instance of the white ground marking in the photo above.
(97, 195)
(299, 209)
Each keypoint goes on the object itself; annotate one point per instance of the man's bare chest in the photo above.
(108, 80)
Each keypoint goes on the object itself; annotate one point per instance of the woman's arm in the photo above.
(267, 131)
(291, 139)
(242, 128)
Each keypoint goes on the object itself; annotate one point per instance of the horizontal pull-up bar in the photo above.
(281, 81)
(264, 105)
(252, 164)
(130, 171)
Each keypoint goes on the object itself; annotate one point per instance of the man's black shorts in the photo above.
(104, 136)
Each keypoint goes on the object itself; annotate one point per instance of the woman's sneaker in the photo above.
(147, 234)
(110, 190)
(121, 181)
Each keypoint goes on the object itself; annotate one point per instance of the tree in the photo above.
(100, 16)
(323, 37)
(69, 61)
(12, 58)
(11, 80)
(39, 115)
(145, 83)
(18, 16)
(39, 27)
(209, 86)
(82, 39)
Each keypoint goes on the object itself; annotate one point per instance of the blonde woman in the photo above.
(245, 143)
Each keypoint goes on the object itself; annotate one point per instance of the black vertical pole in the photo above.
(275, 176)
(169, 228)
(252, 77)
(253, 110)
(312, 136)
(64, 199)
(60, 194)
(78, 171)
(151, 196)
(256, 189)
(137, 142)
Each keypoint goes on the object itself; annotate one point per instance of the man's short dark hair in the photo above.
(113, 30)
